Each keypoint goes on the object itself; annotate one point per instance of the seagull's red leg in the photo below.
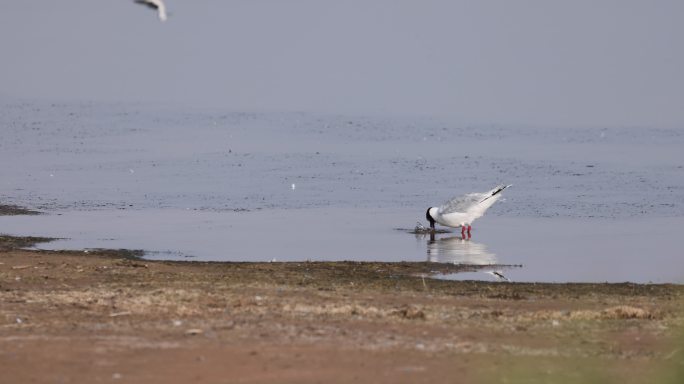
(469, 228)
(463, 229)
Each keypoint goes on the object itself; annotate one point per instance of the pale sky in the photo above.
(572, 62)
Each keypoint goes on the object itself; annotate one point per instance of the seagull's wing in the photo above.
(155, 4)
(147, 3)
(461, 203)
(470, 201)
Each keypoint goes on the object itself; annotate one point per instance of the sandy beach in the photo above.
(74, 317)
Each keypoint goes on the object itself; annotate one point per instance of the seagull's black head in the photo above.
(429, 218)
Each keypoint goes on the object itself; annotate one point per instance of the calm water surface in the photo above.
(544, 249)
(588, 204)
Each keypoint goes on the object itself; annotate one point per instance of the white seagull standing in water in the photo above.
(155, 4)
(462, 211)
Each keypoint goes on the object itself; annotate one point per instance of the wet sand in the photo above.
(105, 316)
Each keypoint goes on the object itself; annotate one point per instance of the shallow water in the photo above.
(523, 249)
(588, 204)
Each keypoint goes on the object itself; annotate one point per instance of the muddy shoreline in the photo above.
(104, 316)
(13, 210)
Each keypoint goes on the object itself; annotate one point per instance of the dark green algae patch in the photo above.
(8, 243)
(14, 210)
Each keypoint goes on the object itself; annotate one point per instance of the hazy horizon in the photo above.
(615, 63)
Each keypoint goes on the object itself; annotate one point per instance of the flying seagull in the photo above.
(460, 212)
(157, 5)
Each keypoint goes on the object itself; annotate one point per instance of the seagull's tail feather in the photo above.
(498, 189)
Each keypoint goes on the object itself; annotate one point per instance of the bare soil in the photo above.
(106, 316)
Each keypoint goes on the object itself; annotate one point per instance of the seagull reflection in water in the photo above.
(458, 250)
(461, 250)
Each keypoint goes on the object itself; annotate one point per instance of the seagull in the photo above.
(155, 4)
(498, 275)
(460, 212)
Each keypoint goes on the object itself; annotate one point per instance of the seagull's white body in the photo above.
(460, 212)
(155, 4)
